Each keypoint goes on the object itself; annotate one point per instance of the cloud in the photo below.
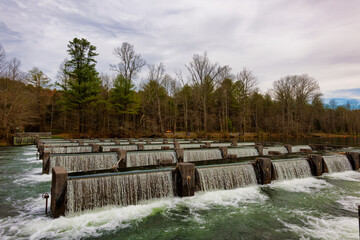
(273, 38)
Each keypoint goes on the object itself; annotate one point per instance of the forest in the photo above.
(207, 98)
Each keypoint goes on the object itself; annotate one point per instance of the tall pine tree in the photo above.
(83, 83)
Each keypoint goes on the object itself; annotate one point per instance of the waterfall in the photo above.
(190, 145)
(83, 162)
(48, 145)
(71, 149)
(157, 146)
(146, 158)
(282, 150)
(107, 148)
(202, 155)
(298, 147)
(290, 169)
(245, 143)
(337, 163)
(243, 152)
(226, 177)
(127, 189)
(220, 144)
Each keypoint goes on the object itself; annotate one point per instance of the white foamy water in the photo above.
(243, 152)
(347, 176)
(327, 227)
(350, 203)
(308, 185)
(31, 224)
(281, 150)
(337, 163)
(297, 148)
(33, 176)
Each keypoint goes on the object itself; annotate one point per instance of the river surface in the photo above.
(311, 208)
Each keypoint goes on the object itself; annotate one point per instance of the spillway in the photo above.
(290, 169)
(157, 146)
(70, 149)
(193, 155)
(146, 158)
(122, 189)
(84, 162)
(297, 148)
(226, 177)
(337, 163)
(281, 150)
(243, 152)
(106, 148)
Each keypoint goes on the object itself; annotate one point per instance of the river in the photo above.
(311, 208)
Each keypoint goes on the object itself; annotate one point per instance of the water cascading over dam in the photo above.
(122, 189)
(291, 169)
(70, 149)
(106, 148)
(84, 162)
(193, 155)
(297, 148)
(157, 146)
(226, 177)
(281, 150)
(190, 145)
(243, 152)
(337, 163)
(147, 158)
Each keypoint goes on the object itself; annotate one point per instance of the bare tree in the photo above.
(293, 93)
(244, 87)
(130, 62)
(14, 72)
(203, 74)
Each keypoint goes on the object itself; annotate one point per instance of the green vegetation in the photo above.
(213, 100)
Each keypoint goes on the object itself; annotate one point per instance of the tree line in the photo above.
(207, 98)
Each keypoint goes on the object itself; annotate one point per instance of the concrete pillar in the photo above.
(165, 147)
(260, 149)
(102, 140)
(140, 146)
(185, 179)
(316, 164)
(95, 147)
(176, 145)
(165, 141)
(81, 142)
(121, 156)
(46, 162)
(234, 143)
(58, 191)
(288, 148)
(179, 154)
(41, 150)
(263, 167)
(148, 142)
(224, 152)
(354, 160)
(71, 140)
(192, 141)
(117, 142)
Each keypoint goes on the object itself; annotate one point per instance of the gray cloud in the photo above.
(273, 38)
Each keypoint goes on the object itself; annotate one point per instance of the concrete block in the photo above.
(264, 168)
(316, 164)
(185, 179)
(58, 191)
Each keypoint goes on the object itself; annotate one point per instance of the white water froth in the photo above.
(350, 203)
(326, 227)
(307, 185)
(347, 176)
(31, 224)
(32, 177)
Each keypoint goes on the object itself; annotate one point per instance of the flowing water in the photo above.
(132, 147)
(298, 148)
(243, 152)
(337, 163)
(192, 155)
(291, 169)
(84, 162)
(281, 150)
(147, 158)
(71, 149)
(307, 208)
(226, 177)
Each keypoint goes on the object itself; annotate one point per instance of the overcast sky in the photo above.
(273, 38)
